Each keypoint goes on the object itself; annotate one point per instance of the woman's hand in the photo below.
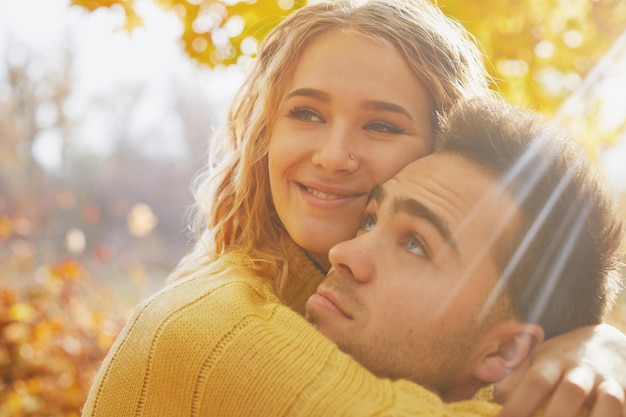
(585, 367)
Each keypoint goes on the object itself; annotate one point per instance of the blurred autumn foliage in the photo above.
(80, 245)
(54, 332)
(214, 32)
(538, 51)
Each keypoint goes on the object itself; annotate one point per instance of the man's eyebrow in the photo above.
(377, 194)
(416, 209)
(384, 105)
(309, 92)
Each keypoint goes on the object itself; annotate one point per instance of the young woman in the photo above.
(341, 97)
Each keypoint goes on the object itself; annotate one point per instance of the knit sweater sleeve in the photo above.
(223, 345)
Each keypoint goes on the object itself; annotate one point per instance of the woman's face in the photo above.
(352, 116)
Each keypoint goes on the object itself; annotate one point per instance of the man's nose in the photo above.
(356, 256)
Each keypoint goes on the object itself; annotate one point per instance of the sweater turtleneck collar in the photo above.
(303, 277)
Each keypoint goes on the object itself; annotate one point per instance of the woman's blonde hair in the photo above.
(233, 196)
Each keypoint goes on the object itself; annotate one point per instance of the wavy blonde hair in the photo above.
(233, 199)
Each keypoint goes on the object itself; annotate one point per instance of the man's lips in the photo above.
(327, 300)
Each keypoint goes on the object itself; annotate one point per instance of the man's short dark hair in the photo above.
(560, 265)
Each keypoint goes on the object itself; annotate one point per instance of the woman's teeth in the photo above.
(322, 195)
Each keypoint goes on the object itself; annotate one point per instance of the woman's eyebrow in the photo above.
(308, 92)
(367, 105)
(384, 105)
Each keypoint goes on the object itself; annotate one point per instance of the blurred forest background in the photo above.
(94, 187)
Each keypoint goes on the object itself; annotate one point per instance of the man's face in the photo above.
(404, 297)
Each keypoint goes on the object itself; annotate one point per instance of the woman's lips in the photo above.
(324, 196)
(327, 195)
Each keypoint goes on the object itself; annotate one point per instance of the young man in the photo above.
(469, 257)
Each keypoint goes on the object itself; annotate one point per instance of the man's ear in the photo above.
(507, 344)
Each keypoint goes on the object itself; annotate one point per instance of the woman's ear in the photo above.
(507, 345)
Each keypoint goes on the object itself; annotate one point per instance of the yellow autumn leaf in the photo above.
(92, 5)
(6, 228)
(17, 332)
(133, 20)
(68, 270)
(22, 312)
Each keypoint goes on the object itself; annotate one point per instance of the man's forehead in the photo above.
(403, 182)
(451, 186)
(432, 162)
(449, 165)
(461, 193)
(430, 169)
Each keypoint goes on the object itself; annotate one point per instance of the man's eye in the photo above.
(305, 114)
(384, 127)
(414, 245)
(368, 222)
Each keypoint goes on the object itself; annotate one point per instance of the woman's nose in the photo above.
(337, 152)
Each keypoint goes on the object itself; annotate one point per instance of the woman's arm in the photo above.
(224, 346)
(585, 367)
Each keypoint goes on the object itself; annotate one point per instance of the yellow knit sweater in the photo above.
(221, 344)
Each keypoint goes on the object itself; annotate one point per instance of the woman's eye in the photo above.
(414, 245)
(384, 127)
(368, 222)
(305, 114)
